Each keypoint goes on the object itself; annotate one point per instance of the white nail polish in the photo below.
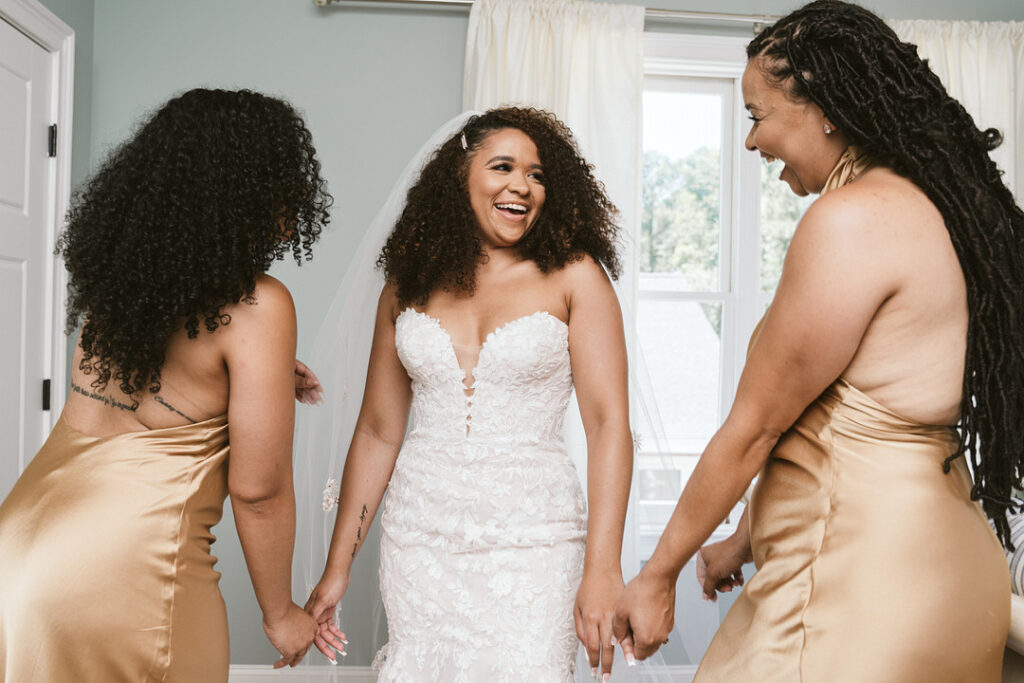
(342, 653)
(607, 677)
(615, 641)
(593, 672)
(334, 662)
(630, 659)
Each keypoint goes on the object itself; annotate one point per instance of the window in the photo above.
(713, 232)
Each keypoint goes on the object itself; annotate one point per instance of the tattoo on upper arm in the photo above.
(159, 399)
(359, 531)
(105, 400)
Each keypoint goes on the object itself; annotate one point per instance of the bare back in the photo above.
(911, 356)
(194, 383)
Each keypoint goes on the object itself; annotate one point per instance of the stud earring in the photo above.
(828, 129)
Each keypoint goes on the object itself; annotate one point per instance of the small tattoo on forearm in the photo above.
(359, 531)
(159, 399)
(105, 400)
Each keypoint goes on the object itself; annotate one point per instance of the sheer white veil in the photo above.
(341, 351)
(340, 354)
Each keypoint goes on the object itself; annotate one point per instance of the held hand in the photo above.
(645, 615)
(594, 611)
(322, 604)
(720, 566)
(307, 387)
(291, 634)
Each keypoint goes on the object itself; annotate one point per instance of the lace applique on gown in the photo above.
(485, 521)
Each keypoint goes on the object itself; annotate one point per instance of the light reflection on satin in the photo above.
(105, 565)
(873, 565)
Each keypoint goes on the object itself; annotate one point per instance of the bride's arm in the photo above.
(371, 457)
(597, 349)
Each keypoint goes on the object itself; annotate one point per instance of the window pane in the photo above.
(781, 210)
(682, 351)
(682, 172)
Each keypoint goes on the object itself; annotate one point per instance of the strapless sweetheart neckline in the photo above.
(495, 333)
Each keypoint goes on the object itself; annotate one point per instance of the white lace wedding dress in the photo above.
(485, 521)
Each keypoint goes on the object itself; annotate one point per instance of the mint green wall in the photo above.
(374, 82)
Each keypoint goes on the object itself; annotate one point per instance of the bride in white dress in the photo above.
(496, 304)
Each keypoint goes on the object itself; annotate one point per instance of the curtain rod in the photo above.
(649, 13)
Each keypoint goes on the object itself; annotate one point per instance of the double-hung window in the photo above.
(706, 260)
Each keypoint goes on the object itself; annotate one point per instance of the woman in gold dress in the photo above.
(186, 345)
(890, 357)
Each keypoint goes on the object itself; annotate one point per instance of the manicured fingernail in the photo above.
(344, 641)
(593, 672)
(615, 641)
(630, 659)
(334, 662)
(607, 677)
(342, 653)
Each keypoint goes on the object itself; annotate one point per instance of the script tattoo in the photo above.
(105, 400)
(165, 404)
(359, 531)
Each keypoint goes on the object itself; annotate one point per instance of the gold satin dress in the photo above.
(105, 566)
(873, 566)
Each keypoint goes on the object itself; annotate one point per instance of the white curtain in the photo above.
(982, 65)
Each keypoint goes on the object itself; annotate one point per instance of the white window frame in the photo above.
(722, 58)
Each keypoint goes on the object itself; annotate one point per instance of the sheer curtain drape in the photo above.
(982, 65)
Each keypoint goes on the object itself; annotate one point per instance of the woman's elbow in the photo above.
(256, 495)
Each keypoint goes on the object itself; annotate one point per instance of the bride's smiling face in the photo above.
(506, 186)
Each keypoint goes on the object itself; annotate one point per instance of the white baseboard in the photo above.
(363, 674)
(302, 674)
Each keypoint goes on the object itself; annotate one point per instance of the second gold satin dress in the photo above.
(105, 566)
(872, 565)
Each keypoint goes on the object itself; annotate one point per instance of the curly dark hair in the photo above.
(436, 242)
(888, 102)
(178, 222)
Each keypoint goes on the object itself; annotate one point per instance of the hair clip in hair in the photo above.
(462, 138)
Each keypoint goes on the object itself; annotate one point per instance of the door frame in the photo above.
(45, 28)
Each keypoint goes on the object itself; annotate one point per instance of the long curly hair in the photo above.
(436, 242)
(888, 102)
(180, 220)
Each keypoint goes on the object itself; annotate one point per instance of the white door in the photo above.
(27, 177)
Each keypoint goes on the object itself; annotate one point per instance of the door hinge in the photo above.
(46, 394)
(53, 140)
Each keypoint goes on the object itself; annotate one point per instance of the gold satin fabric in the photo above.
(852, 162)
(873, 566)
(105, 566)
